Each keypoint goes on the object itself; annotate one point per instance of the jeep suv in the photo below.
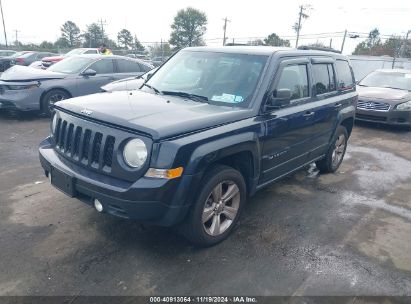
(206, 131)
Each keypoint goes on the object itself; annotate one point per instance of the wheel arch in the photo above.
(51, 89)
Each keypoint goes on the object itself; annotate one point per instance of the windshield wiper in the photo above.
(151, 87)
(193, 97)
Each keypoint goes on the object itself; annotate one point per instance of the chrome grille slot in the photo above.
(373, 105)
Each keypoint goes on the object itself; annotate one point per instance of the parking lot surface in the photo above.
(347, 233)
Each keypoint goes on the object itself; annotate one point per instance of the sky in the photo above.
(150, 20)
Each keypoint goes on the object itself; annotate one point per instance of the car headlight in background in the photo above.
(404, 106)
(22, 87)
(135, 153)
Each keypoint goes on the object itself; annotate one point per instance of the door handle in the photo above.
(337, 105)
(308, 114)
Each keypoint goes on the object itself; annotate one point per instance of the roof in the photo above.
(98, 56)
(404, 71)
(263, 50)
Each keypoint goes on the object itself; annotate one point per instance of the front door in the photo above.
(92, 84)
(289, 130)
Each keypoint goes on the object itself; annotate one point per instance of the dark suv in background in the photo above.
(206, 131)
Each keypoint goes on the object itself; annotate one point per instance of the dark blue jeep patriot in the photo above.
(207, 130)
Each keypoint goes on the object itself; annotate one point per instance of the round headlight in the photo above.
(54, 124)
(135, 153)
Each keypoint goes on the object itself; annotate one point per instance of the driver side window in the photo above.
(103, 66)
(294, 78)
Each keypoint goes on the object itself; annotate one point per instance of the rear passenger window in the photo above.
(91, 52)
(294, 78)
(127, 66)
(324, 79)
(345, 77)
(103, 66)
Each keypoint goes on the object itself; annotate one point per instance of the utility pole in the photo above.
(331, 43)
(4, 26)
(225, 29)
(102, 24)
(343, 42)
(17, 40)
(297, 25)
(404, 44)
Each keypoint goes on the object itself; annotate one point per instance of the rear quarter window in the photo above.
(345, 76)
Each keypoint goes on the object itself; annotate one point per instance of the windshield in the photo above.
(395, 80)
(71, 65)
(26, 55)
(75, 52)
(220, 77)
(18, 54)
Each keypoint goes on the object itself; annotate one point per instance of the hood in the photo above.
(156, 115)
(383, 94)
(53, 58)
(131, 83)
(23, 73)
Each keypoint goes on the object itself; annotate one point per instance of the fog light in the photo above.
(98, 205)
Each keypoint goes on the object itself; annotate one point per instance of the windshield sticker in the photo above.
(229, 98)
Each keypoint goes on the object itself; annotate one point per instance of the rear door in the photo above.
(92, 84)
(127, 68)
(289, 130)
(326, 103)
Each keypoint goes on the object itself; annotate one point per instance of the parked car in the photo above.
(157, 61)
(6, 53)
(5, 62)
(210, 128)
(28, 58)
(25, 88)
(385, 97)
(36, 64)
(127, 84)
(49, 61)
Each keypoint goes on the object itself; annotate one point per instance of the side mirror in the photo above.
(89, 72)
(279, 98)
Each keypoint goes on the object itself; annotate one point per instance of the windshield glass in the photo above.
(221, 77)
(26, 55)
(71, 65)
(18, 54)
(75, 52)
(396, 80)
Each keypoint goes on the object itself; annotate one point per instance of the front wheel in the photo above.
(335, 154)
(217, 208)
(52, 97)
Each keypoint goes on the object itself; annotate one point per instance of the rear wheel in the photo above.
(52, 97)
(335, 155)
(217, 208)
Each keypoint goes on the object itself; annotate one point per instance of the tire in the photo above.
(208, 222)
(335, 154)
(50, 98)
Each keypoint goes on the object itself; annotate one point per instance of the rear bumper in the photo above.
(398, 118)
(158, 201)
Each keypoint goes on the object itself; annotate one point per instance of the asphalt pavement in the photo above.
(347, 233)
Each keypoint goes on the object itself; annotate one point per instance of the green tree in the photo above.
(160, 50)
(61, 43)
(125, 39)
(274, 40)
(94, 36)
(371, 46)
(188, 28)
(137, 46)
(46, 45)
(255, 42)
(71, 33)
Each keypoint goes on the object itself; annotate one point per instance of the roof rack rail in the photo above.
(317, 48)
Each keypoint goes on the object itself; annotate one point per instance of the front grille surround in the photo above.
(373, 105)
(96, 147)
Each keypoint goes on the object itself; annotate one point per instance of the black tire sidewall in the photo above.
(45, 102)
(340, 131)
(216, 175)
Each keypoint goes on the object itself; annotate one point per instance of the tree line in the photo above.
(188, 29)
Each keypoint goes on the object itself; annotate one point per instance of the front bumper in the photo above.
(392, 117)
(22, 100)
(158, 201)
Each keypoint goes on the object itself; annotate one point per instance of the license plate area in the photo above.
(62, 181)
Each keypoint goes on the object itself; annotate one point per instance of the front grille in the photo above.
(373, 105)
(370, 117)
(90, 147)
